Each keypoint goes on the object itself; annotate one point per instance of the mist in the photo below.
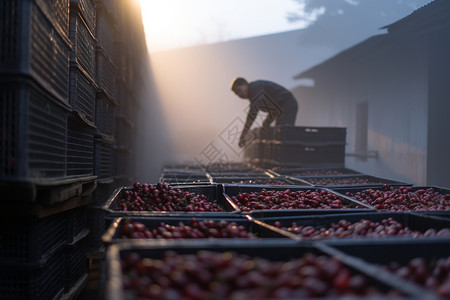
(199, 114)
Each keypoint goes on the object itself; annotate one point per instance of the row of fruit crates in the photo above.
(269, 200)
(253, 233)
(405, 268)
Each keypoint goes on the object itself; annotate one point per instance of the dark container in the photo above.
(352, 180)
(77, 223)
(301, 154)
(82, 92)
(212, 191)
(239, 174)
(310, 134)
(75, 262)
(105, 74)
(414, 222)
(105, 108)
(238, 167)
(86, 10)
(97, 224)
(273, 181)
(113, 235)
(26, 242)
(34, 143)
(80, 146)
(374, 254)
(439, 190)
(309, 172)
(83, 41)
(105, 29)
(279, 251)
(44, 280)
(103, 156)
(179, 177)
(234, 190)
(35, 43)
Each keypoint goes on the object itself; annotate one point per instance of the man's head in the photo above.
(240, 87)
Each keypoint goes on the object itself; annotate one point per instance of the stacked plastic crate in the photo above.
(297, 146)
(46, 178)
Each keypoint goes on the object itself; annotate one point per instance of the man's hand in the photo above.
(242, 140)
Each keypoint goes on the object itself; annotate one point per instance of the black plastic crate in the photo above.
(375, 255)
(75, 261)
(83, 42)
(310, 172)
(82, 92)
(105, 108)
(182, 177)
(86, 10)
(414, 222)
(229, 166)
(211, 191)
(124, 132)
(351, 191)
(113, 233)
(239, 174)
(103, 156)
(77, 223)
(34, 41)
(80, 146)
(97, 225)
(48, 50)
(125, 109)
(300, 154)
(106, 74)
(273, 181)
(281, 251)
(354, 206)
(27, 241)
(40, 282)
(124, 161)
(351, 180)
(310, 134)
(36, 125)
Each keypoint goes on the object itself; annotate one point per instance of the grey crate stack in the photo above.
(297, 146)
(67, 73)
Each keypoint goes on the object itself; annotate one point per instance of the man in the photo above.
(279, 104)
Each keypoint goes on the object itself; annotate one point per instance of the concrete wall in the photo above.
(438, 153)
(392, 79)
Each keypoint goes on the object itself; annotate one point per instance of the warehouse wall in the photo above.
(392, 80)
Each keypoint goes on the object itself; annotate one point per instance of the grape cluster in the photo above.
(403, 198)
(195, 229)
(363, 228)
(163, 197)
(229, 275)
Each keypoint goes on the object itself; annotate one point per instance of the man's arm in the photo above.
(269, 119)
(251, 116)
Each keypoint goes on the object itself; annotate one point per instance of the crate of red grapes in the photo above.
(423, 265)
(309, 172)
(372, 225)
(351, 180)
(279, 270)
(260, 181)
(177, 228)
(169, 200)
(266, 201)
(423, 199)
